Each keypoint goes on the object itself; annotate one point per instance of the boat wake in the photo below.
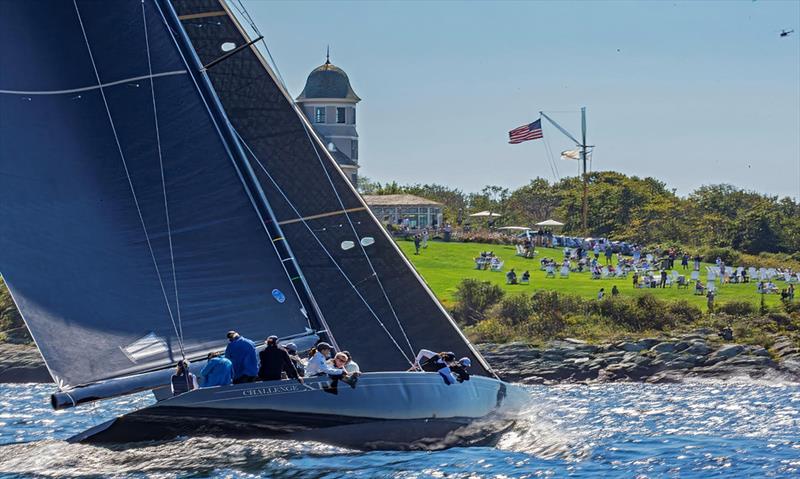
(538, 431)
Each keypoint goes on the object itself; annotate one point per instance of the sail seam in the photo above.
(99, 86)
(321, 215)
(127, 174)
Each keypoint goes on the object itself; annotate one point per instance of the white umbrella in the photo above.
(550, 223)
(484, 214)
(515, 228)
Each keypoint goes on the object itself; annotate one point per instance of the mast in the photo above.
(246, 173)
(584, 156)
(585, 203)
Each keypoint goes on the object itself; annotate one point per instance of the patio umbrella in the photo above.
(485, 214)
(550, 223)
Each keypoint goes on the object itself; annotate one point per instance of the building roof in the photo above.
(398, 200)
(328, 81)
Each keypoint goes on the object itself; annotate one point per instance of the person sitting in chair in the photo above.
(511, 277)
(526, 277)
(699, 289)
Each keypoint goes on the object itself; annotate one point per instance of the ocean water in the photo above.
(704, 429)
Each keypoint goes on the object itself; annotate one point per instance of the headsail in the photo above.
(375, 304)
(126, 232)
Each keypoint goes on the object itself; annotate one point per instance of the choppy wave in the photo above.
(700, 429)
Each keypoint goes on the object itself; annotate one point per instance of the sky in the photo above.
(690, 93)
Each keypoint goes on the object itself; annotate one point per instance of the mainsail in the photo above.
(128, 237)
(373, 301)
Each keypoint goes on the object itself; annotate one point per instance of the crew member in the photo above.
(242, 353)
(218, 371)
(275, 361)
(183, 380)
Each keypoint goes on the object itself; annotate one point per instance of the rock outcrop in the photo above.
(20, 363)
(652, 360)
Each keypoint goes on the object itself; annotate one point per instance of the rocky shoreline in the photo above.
(699, 354)
(651, 360)
(21, 363)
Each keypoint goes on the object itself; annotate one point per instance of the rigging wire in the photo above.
(353, 228)
(163, 182)
(230, 155)
(246, 15)
(128, 175)
(239, 6)
(549, 155)
(324, 249)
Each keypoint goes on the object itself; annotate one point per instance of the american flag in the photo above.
(531, 131)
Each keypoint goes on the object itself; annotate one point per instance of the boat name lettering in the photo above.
(271, 390)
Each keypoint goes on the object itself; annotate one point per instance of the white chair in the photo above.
(498, 266)
(711, 286)
(752, 272)
(564, 271)
(695, 275)
(551, 271)
(712, 274)
(604, 273)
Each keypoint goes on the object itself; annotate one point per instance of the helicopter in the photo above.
(785, 33)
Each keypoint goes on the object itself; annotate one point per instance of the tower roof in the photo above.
(328, 81)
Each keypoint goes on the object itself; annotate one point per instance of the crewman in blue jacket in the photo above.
(242, 353)
(218, 371)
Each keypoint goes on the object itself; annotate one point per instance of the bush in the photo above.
(684, 312)
(492, 330)
(549, 302)
(728, 255)
(515, 309)
(737, 308)
(544, 326)
(474, 298)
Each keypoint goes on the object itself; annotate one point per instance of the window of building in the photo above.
(354, 150)
(354, 116)
(340, 114)
(319, 114)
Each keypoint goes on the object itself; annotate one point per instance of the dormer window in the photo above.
(319, 114)
(341, 114)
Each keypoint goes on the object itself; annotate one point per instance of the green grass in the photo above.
(444, 265)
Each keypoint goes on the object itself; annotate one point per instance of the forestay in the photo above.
(374, 303)
(127, 234)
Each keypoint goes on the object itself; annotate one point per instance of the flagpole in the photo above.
(585, 204)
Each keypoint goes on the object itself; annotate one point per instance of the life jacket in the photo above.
(182, 383)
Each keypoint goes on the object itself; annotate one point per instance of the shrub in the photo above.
(548, 302)
(728, 255)
(684, 312)
(492, 330)
(544, 326)
(515, 309)
(474, 298)
(737, 308)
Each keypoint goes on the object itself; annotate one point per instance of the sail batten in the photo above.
(72, 245)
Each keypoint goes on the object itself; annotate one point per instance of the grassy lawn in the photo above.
(444, 265)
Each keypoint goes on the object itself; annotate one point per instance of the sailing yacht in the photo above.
(158, 187)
